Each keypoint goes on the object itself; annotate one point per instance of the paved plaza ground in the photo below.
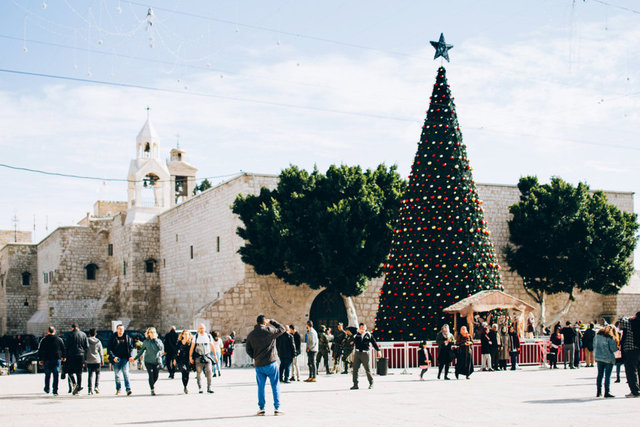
(529, 396)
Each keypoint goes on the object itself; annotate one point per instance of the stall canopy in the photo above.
(486, 301)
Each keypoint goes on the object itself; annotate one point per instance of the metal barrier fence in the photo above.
(404, 355)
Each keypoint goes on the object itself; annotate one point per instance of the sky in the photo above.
(545, 88)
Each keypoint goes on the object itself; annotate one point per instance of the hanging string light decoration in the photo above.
(441, 251)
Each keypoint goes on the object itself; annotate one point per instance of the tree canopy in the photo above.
(204, 185)
(563, 238)
(328, 230)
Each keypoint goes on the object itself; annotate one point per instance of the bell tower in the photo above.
(149, 186)
(183, 175)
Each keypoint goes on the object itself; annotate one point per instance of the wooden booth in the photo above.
(486, 301)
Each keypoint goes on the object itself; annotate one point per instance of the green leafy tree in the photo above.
(328, 230)
(204, 185)
(564, 238)
(441, 250)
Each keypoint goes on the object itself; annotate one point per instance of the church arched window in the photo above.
(91, 271)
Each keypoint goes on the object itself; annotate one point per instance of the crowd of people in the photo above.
(184, 353)
(605, 347)
(270, 341)
(276, 351)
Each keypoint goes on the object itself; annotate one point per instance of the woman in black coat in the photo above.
(424, 360)
(464, 365)
(514, 347)
(444, 339)
(181, 362)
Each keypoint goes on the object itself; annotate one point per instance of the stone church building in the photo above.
(165, 257)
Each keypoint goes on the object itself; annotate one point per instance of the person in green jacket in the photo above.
(152, 348)
(347, 349)
(323, 349)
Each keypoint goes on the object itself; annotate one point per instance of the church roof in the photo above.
(147, 133)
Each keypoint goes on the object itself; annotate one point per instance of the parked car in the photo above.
(25, 360)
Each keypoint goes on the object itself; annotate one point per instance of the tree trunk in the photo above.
(542, 319)
(352, 316)
(564, 310)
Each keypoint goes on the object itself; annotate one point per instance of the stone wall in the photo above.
(198, 275)
(216, 288)
(627, 305)
(496, 201)
(107, 209)
(64, 257)
(18, 301)
(198, 245)
(11, 236)
(131, 294)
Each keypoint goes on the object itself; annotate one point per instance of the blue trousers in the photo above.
(51, 367)
(262, 373)
(604, 370)
(122, 366)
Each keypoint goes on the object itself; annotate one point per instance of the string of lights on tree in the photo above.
(441, 251)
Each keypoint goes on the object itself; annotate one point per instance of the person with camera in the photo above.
(202, 354)
(261, 347)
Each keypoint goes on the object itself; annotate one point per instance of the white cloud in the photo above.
(524, 109)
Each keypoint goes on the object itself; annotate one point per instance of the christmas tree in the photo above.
(440, 251)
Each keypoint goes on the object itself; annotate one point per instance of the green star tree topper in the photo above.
(440, 251)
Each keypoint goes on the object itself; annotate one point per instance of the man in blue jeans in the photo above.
(120, 351)
(261, 347)
(50, 352)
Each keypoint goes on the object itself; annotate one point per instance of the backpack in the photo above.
(202, 349)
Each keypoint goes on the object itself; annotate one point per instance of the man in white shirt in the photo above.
(202, 346)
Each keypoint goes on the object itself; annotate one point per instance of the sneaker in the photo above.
(46, 391)
(96, 391)
(607, 394)
(370, 386)
(261, 412)
(186, 390)
(200, 391)
(313, 380)
(209, 390)
(617, 380)
(55, 393)
(277, 412)
(153, 392)
(90, 392)
(631, 395)
(129, 392)
(118, 392)
(355, 387)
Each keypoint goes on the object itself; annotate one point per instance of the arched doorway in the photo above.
(328, 309)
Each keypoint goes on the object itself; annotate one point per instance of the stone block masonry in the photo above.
(11, 236)
(18, 286)
(182, 268)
